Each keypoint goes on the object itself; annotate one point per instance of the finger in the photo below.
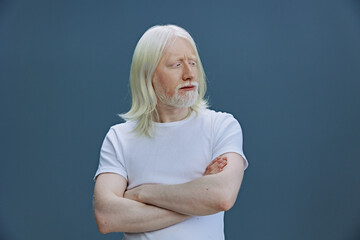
(209, 169)
(219, 168)
(222, 165)
(212, 169)
(214, 163)
(221, 159)
(224, 160)
(218, 161)
(215, 160)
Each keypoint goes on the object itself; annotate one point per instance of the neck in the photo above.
(171, 114)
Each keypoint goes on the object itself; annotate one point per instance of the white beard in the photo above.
(187, 99)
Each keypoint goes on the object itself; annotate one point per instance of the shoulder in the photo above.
(128, 125)
(217, 116)
(121, 129)
(223, 123)
(219, 121)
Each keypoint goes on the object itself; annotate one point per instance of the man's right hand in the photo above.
(216, 166)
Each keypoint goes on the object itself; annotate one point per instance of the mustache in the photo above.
(195, 84)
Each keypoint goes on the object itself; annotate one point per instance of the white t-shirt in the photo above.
(178, 153)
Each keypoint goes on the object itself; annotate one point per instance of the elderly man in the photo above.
(173, 168)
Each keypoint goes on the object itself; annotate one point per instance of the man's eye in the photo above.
(193, 63)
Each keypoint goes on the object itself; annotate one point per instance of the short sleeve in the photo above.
(111, 159)
(227, 136)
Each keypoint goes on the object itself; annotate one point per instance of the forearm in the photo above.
(203, 196)
(119, 214)
(206, 195)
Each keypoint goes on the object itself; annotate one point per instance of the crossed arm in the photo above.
(152, 207)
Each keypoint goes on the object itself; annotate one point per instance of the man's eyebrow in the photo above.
(193, 58)
(181, 58)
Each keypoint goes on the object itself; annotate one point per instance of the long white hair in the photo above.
(147, 55)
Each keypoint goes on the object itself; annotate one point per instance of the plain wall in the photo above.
(289, 71)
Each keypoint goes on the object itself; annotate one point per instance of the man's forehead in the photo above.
(179, 48)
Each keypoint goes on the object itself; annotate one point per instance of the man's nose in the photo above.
(188, 72)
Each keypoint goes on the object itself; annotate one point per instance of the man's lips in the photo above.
(190, 87)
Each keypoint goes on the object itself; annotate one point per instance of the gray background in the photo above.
(287, 70)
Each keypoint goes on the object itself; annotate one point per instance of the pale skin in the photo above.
(115, 213)
(177, 66)
(151, 207)
(203, 196)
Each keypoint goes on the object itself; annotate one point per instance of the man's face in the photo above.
(176, 77)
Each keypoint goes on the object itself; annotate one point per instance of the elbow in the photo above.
(225, 205)
(102, 221)
(102, 230)
(225, 201)
(106, 223)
